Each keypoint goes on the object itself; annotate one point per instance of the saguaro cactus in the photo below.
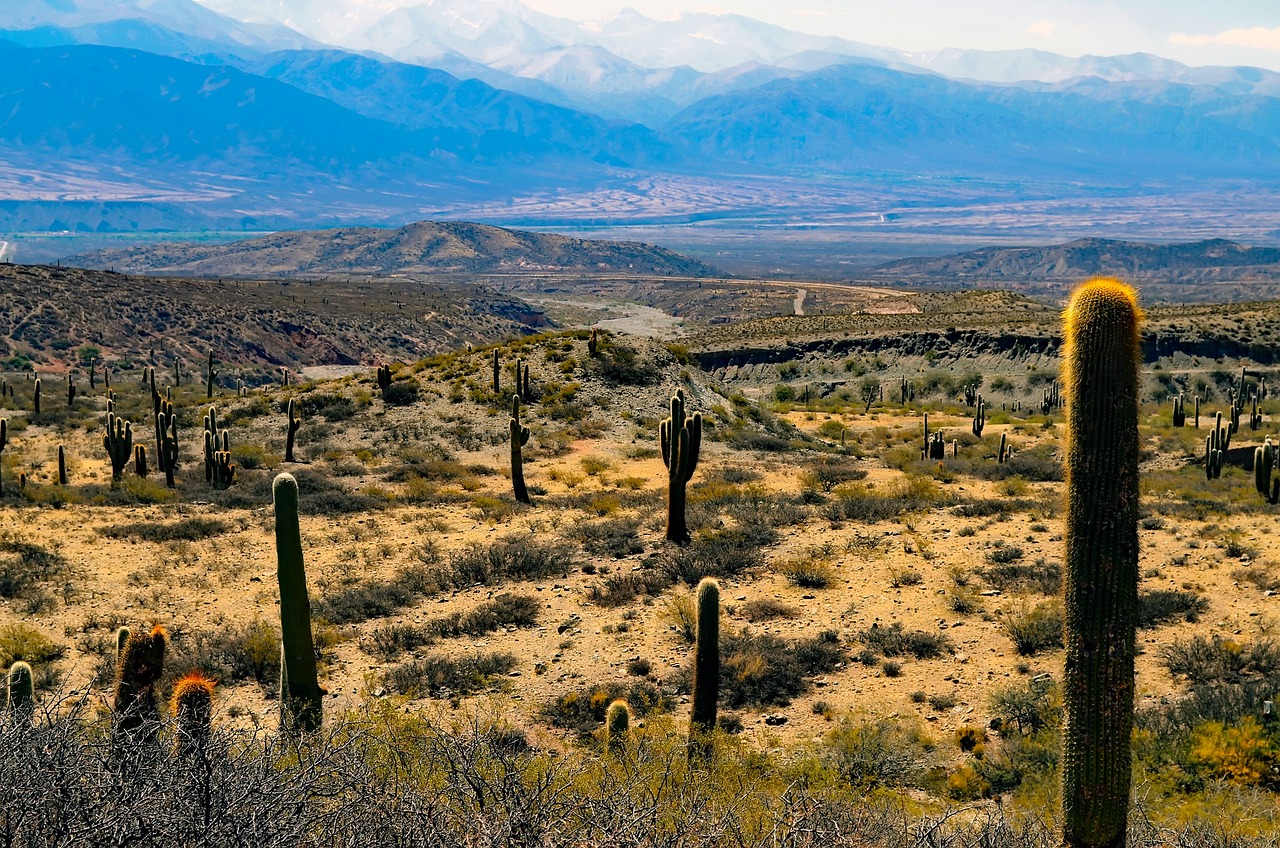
(71, 392)
(138, 670)
(706, 662)
(35, 398)
(497, 382)
(301, 701)
(118, 441)
(62, 466)
(20, 692)
(192, 710)
(295, 421)
(519, 437)
(384, 380)
(681, 440)
(1101, 363)
(210, 376)
(593, 345)
(4, 440)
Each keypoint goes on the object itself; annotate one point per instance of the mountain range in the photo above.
(144, 114)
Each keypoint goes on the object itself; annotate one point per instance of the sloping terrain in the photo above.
(426, 246)
(47, 315)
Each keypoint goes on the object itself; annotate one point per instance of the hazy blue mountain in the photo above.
(863, 117)
(419, 98)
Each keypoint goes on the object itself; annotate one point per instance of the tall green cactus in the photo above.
(118, 441)
(384, 380)
(681, 441)
(519, 438)
(20, 692)
(4, 440)
(1101, 364)
(167, 432)
(210, 376)
(71, 392)
(295, 422)
(62, 466)
(35, 398)
(706, 663)
(979, 417)
(497, 381)
(301, 699)
(140, 460)
(139, 666)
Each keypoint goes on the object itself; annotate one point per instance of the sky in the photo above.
(1198, 32)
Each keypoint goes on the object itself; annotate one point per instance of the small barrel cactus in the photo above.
(617, 721)
(20, 692)
(192, 709)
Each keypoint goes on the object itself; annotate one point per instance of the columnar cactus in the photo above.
(904, 391)
(192, 709)
(681, 441)
(979, 417)
(706, 662)
(62, 466)
(35, 398)
(971, 394)
(4, 440)
(140, 460)
(1003, 455)
(519, 438)
(384, 380)
(167, 432)
(71, 391)
(295, 421)
(301, 699)
(1179, 412)
(224, 470)
(210, 376)
(617, 721)
(211, 442)
(20, 692)
(1102, 446)
(593, 345)
(497, 381)
(118, 441)
(138, 670)
(1263, 460)
(1212, 457)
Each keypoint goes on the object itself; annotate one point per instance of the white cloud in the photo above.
(1260, 38)
(1044, 29)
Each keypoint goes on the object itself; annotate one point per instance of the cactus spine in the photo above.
(681, 441)
(519, 437)
(617, 721)
(118, 441)
(138, 669)
(192, 710)
(706, 662)
(301, 701)
(20, 692)
(295, 421)
(1101, 586)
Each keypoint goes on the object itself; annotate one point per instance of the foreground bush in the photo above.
(386, 778)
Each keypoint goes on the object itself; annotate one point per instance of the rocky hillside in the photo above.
(426, 246)
(1213, 259)
(49, 315)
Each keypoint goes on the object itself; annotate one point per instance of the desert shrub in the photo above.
(514, 557)
(1219, 660)
(231, 654)
(401, 393)
(764, 609)
(883, 752)
(330, 406)
(1004, 554)
(680, 613)
(894, 641)
(443, 677)
(506, 610)
(868, 503)
(378, 597)
(1029, 706)
(583, 711)
(621, 589)
(616, 537)
(622, 366)
(714, 553)
(828, 472)
(760, 669)
(1258, 577)
(1040, 576)
(1036, 629)
(26, 568)
(811, 570)
(639, 667)
(1161, 606)
(20, 641)
(1246, 753)
(899, 577)
(186, 530)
